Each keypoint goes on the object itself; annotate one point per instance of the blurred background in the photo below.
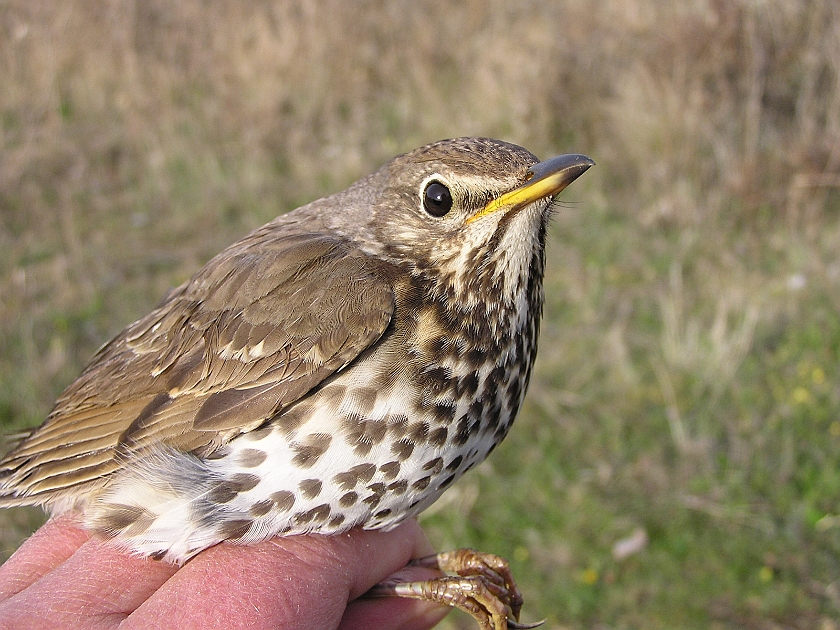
(677, 464)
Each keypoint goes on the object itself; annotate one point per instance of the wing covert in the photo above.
(252, 332)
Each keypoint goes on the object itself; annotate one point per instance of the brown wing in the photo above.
(257, 328)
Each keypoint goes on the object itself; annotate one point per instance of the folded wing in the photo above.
(261, 325)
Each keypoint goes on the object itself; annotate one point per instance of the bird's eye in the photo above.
(437, 200)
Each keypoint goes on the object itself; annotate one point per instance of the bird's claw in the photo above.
(482, 586)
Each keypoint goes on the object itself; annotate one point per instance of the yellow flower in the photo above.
(801, 395)
(589, 576)
(818, 376)
(765, 574)
(521, 554)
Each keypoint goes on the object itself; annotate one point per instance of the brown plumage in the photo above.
(340, 366)
(217, 358)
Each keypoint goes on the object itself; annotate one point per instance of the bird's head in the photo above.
(468, 211)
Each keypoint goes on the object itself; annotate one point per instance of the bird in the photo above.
(339, 367)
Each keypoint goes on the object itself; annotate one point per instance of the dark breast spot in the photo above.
(491, 416)
(453, 465)
(234, 530)
(402, 449)
(398, 487)
(227, 490)
(315, 515)
(362, 433)
(436, 380)
(513, 392)
(261, 508)
(348, 499)
(462, 431)
(244, 481)
(390, 470)
(251, 457)
(372, 500)
(363, 399)
(361, 473)
(500, 433)
(377, 488)
(310, 488)
(418, 432)
(468, 385)
(127, 519)
(292, 418)
(310, 449)
(283, 500)
(443, 412)
(377, 491)
(476, 355)
(447, 481)
(496, 378)
(397, 425)
(438, 437)
(421, 484)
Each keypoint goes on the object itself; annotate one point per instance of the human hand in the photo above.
(63, 578)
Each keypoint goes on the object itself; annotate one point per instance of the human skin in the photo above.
(61, 577)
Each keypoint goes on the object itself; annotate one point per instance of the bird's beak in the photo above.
(547, 179)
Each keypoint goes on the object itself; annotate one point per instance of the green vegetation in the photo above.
(687, 396)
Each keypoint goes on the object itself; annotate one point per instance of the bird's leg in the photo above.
(483, 587)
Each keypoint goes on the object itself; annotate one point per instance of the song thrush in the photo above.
(340, 366)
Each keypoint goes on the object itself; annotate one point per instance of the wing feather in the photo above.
(256, 329)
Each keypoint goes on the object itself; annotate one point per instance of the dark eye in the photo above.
(437, 200)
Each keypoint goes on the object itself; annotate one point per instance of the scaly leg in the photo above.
(483, 587)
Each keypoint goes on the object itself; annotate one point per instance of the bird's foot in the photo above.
(482, 586)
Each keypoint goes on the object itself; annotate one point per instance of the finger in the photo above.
(290, 582)
(97, 586)
(46, 549)
(374, 567)
(395, 613)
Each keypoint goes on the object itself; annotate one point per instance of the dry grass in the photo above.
(688, 384)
